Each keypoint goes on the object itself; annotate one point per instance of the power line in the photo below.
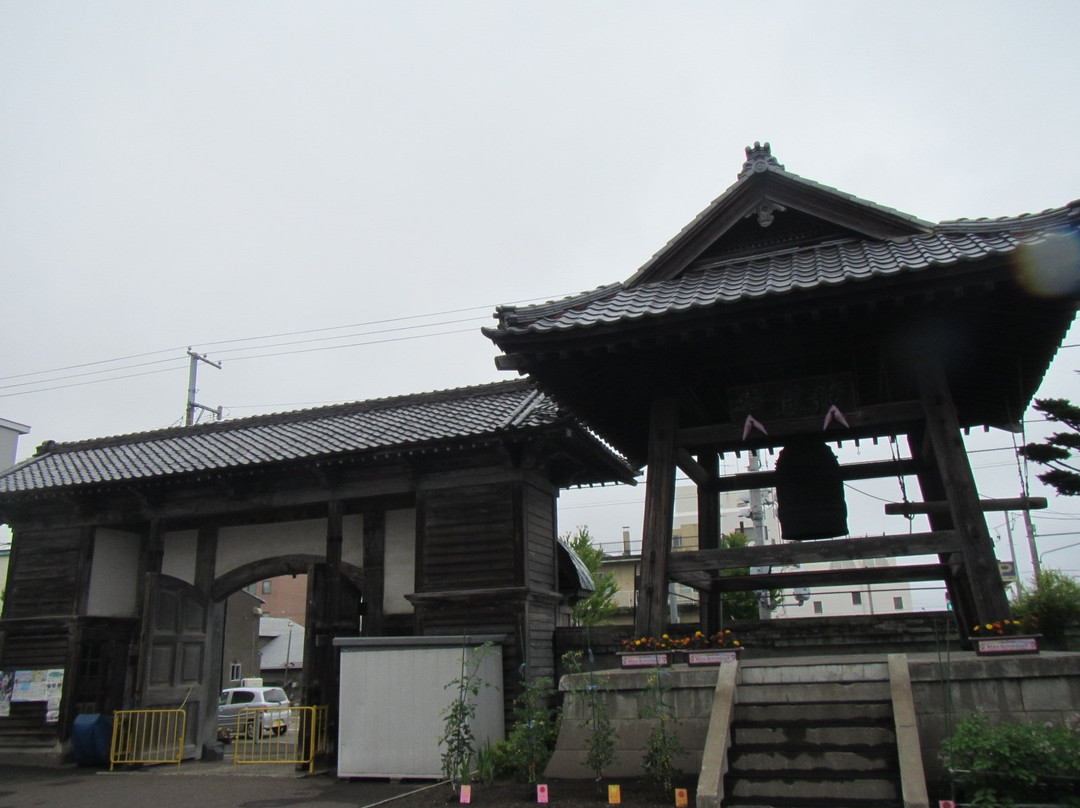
(64, 377)
(52, 379)
(83, 384)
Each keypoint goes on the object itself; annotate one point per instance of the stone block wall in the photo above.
(1035, 688)
(626, 693)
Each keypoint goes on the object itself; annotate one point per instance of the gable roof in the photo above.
(764, 189)
(783, 281)
(720, 282)
(386, 427)
(818, 238)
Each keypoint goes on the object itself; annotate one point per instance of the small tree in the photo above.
(741, 605)
(535, 729)
(662, 744)
(601, 603)
(592, 690)
(1054, 603)
(457, 737)
(1061, 451)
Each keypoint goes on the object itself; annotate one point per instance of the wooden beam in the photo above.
(489, 593)
(852, 471)
(809, 552)
(932, 488)
(659, 514)
(698, 474)
(865, 422)
(860, 576)
(980, 568)
(987, 505)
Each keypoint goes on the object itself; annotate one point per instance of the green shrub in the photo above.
(1054, 601)
(1008, 763)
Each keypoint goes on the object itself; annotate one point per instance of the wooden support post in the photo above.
(659, 513)
(205, 571)
(374, 572)
(981, 576)
(206, 558)
(933, 488)
(326, 655)
(149, 569)
(708, 507)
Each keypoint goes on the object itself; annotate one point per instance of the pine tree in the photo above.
(1059, 451)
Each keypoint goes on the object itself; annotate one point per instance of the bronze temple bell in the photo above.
(810, 492)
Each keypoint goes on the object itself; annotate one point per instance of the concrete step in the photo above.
(809, 734)
(805, 674)
(847, 788)
(813, 692)
(878, 713)
(788, 760)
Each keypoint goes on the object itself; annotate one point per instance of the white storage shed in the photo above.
(394, 692)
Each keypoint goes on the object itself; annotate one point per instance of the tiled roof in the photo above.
(783, 272)
(383, 426)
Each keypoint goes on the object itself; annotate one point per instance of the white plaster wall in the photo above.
(114, 574)
(244, 544)
(178, 559)
(352, 540)
(400, 561)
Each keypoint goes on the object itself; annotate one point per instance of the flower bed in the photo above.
(699, 648)
(1006, 637)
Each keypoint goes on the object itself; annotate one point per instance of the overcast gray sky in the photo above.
(385, 173)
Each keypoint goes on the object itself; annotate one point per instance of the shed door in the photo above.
(176, 671)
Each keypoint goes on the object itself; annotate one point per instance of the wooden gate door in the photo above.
(177, 653)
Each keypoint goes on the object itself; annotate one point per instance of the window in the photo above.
(266, 587)
(90, 661)
(856, 598)
(234, 672)
(242, 697)
(898, 603)
(819, 607)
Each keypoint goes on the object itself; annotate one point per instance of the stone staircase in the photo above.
(808, 735)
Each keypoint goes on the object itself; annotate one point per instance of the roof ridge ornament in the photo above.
(758, 158)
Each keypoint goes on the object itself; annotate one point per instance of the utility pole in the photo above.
(1035, 566)
(193, 372)
(757, 518)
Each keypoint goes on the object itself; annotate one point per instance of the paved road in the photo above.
(195, 785)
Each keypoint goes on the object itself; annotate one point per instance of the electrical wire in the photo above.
(11, 385)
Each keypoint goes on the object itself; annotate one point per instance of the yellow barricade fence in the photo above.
(147, 736)
(279, 735)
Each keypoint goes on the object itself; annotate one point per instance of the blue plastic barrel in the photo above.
(91, 736)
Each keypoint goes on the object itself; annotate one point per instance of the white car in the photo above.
(264, 713)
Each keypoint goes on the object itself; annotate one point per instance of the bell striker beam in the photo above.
(659, 514)
(982, 576)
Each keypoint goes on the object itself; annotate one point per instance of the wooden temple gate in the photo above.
(431, 514)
